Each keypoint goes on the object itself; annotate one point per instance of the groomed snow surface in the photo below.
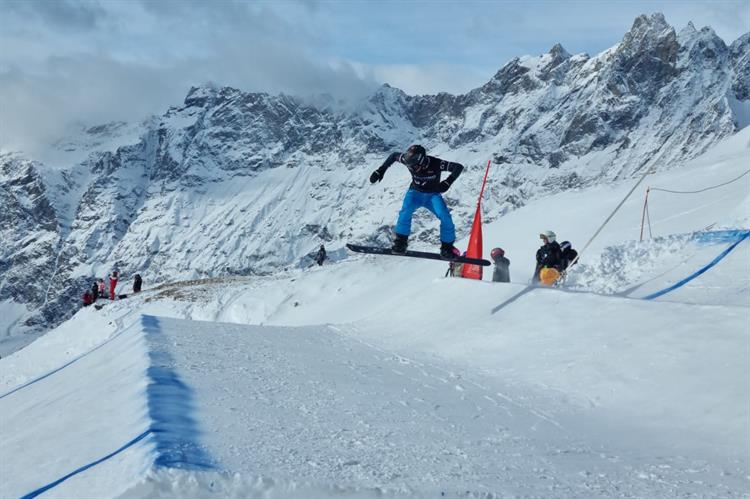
(378, 377)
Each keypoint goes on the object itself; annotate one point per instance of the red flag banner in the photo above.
(475, 239)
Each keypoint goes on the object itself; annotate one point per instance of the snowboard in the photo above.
(417, 254)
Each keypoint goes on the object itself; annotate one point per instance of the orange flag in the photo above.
(475, 239)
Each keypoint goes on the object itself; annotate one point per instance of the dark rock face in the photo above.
(740, 58)
(29, 229)
(646, 59)
(249, 182)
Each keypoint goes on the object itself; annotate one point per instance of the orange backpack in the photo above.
(548, 276)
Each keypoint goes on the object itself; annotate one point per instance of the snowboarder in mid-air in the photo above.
(424, 192)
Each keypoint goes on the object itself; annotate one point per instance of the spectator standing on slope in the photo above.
(548, 259)
(321, 256)
(113, 277)
(502, 266)
(569, 255)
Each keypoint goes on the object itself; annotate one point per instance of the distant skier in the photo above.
(548, 256)
(321, 256)
(88, 299)
(569, 255)
(95, 291)
(424, 192)
(137, 283)
(102, 287)
(113, 284)
(502, 265)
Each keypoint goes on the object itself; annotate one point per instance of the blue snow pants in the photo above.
(434, 202)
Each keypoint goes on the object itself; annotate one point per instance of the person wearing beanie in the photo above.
(502, 266)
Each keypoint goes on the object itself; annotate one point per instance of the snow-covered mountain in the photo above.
(246, 183)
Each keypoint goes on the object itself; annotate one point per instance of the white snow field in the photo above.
(378, 377)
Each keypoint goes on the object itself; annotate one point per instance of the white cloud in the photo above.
(430, 78)
(132, 59)
(90, 61)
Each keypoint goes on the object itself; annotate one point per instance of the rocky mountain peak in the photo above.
(648, 26)
(512, 78)
(199, 96)
(554, 64)
(648, 37)
(558, 53)
(646, 58)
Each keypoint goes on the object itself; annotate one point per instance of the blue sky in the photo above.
(96, 61)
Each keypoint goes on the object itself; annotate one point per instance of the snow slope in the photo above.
(378, 377)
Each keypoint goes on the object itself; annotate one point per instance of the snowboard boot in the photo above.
(399, 244)
(446, 251)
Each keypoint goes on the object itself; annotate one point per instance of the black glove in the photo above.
(444, 186)
(376, 176)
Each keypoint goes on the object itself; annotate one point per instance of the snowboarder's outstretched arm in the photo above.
(378, 174)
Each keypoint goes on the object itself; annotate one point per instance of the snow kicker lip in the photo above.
(170, 406)
(172, 430)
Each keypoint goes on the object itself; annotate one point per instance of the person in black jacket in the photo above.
(549, 255)
(95, 291)
(321, 256)
(502, 266)
(424, 192)
(569, 255)
(137, 283)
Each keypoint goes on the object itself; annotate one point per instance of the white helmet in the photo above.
(548, 235)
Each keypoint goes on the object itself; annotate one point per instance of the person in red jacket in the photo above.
(113, 284)
(87, 299)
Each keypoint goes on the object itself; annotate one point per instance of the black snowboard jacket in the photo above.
(425, 177)
(502, 270)
(568, 256)
(549, 255)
